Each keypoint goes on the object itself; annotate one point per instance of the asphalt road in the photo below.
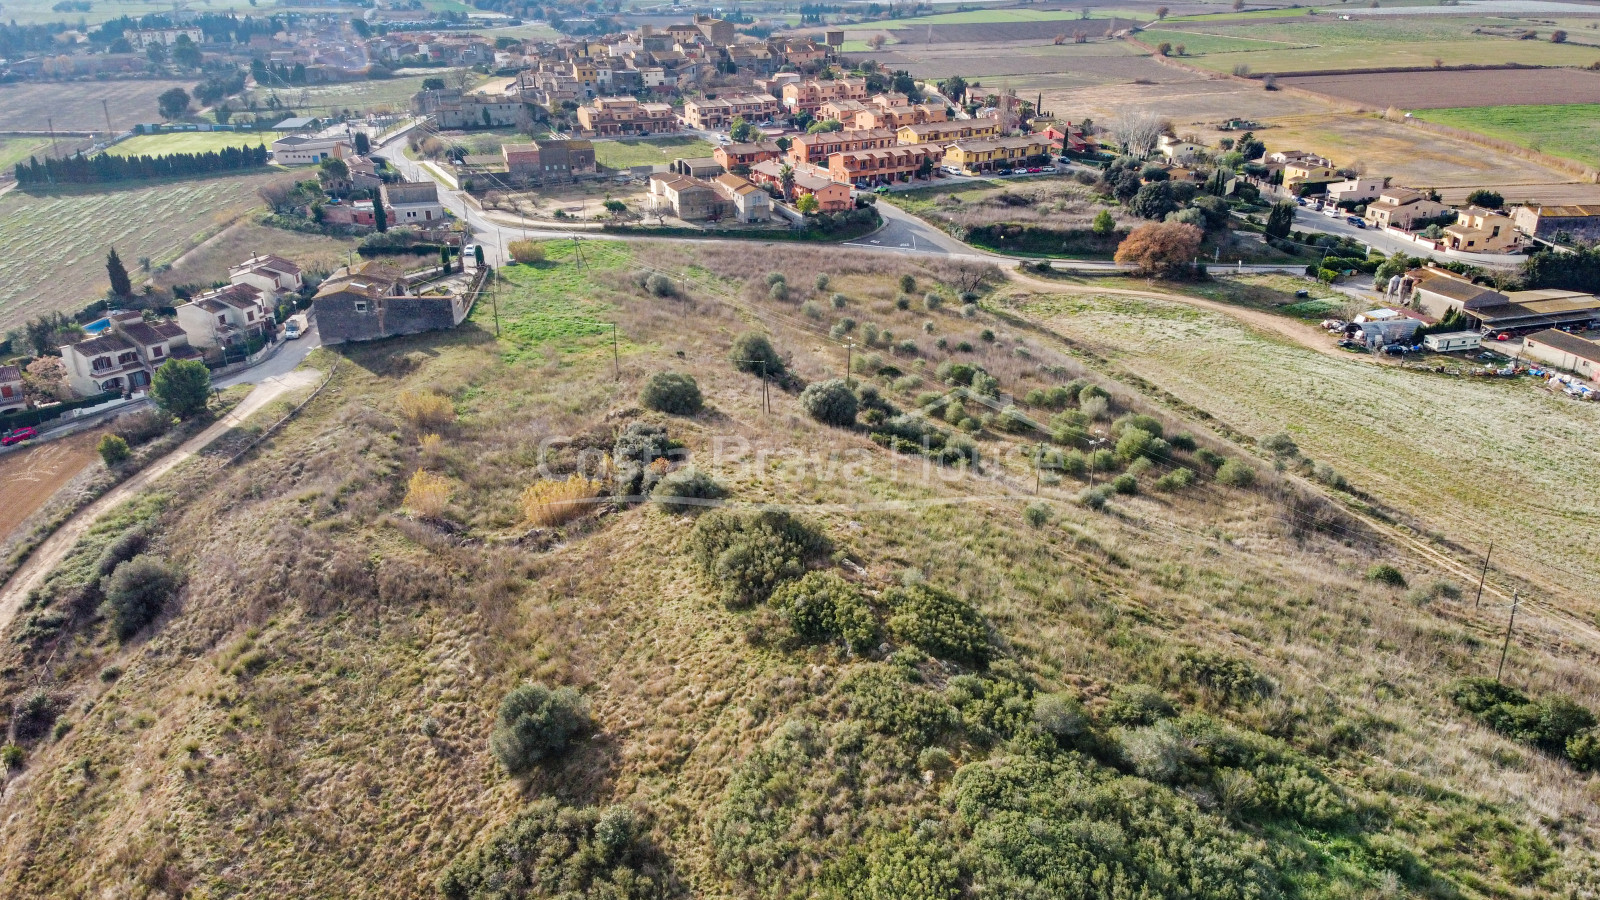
(1387, 244)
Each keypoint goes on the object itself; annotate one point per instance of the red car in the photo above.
(1502, 336)
(17, 436)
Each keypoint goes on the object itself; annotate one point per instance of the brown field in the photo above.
(1440, 90)
(77, 107)
(1547, 194)
(209, 261)
(1073, 64)
(1190, 101)
(29, 478)
(995, 32)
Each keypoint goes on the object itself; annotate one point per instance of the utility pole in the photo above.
(1093, 444)
(107, 108)
(52, 125)
(1481, 576)
(1038, 463)
(1515, 597)
(616, 360)
(494, 297)
(766, 398)
(849, 350)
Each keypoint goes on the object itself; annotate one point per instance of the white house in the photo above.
(303, 150)
(225, 316)
(272, 275)
(1356, 190)
(125, 356)
(11, 399)
(1174, 149)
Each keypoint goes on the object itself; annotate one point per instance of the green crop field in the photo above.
(1200, 43)
(998, 16)
(1407, 54)
(386, 94)
(18, 149)
(191, 142)
(621, 154)
(74, 231)
(1570, 130)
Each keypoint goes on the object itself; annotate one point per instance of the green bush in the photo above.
(636, 447)
(747, 555)
(1134, 443)
(660, 286)
(1148, 424)
(908, 284)
(753, 353)
(113, 449)
(1137, 705)
(838, 301)
(1125, 484)
(830, 402)
(1175, 480)
(1227, 676)
(1184, 441)
(687, 490)
(1383, 573)
(1095, 497)
(550, 850)
(938, 622)
(1037, 514)
(821, 606)
(182, 387)
(535, 723)
(1061, 716)
(673, 393)
(1236, 474)
(136, 593)
(1210, 457)
(1280, 444)
(1555, 724)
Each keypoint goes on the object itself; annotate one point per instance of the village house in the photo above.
(808, 96)
(125, 356)
(750, 203)
(611, 116)
(718, 114)
(898, 162)
(1559, 223)
(971, 157)
(11, 396)
(947, 132)
(453, 109)
(549, 160)
(832, 195)
(1356, 190)
(814, 149)
(1305, 175)
(841, 111)
(144, 38)
(271, 274)
(301, 150)
(732, 156)
(414, 202)
(226, 317)
(1398, 207)
(1179, 150)
(1563, 351)
(1479, 230)
(371, 300)
(689, 199)
(1063, 135)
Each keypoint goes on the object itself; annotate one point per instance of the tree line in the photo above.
(82, 169)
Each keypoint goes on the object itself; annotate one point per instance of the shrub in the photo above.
(779, 291)
(821, 283)
(12, 755)
(1210, 458)
(1061, 716)
(776, 278)
(932, 301)
(551, 850)
(1280, 444)
(1095, 497)
(1383, 573)
(811, 309)
(688, 489)
(142, 427)
(1330, 476)
(1184, 441)
(1125, 484)
(427, 494)
(838, 301)
(113, 449)
(1237, 474)
(1555, 724)
(638, 458)
(673, 393)
(830, 402)
(1229, 677)
(908, 284)
(534, 723)
(660, 285)
(1137, 705)
(938, 622)
(182, 387)
(1147, 424)
(526, 252)
(821, 606)
(549, 503)
(137, 592)
(748, 555)
(426, 410)
(1037, 514)
(752, 353)
(1175, 480)
(1134, 444)
(969, 310)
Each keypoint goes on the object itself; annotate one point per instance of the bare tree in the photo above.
(1138, 132)
(278, 196)
(460, 79)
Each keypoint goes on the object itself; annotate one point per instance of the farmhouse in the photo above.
(549, 160)
(750, 203)
(124, 357)
(1065, 135)
(414, 202)
(1551, 222)
(369, 301)
(225, 317)
(300, 150)
(690, 199)
(11, 398)
(1398, 207)
(453, 109)
(1564, 351)
(1479, 230)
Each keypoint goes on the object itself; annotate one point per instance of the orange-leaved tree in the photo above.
(1162, 249)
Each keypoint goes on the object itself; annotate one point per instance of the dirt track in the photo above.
(55, 549)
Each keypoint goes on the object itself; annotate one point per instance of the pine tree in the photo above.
(120, 284)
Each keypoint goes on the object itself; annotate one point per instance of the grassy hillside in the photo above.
(1181, 690)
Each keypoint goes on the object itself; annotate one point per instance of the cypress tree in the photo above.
(120, 284)
(379, 217)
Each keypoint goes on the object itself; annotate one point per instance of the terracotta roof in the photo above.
(10, 373)
(268, 261)
(147, 333)
(110, 342)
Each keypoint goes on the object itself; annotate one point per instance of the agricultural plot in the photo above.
(191, 142)
(77, 106)
(1570, 130)
(74, 231)
(621, 154)
(15, 150)
(1402, 54)
(209, 262)
(1374, 423)
(1096, 62)
(380, 95)
(33, 12)
(1433, 90)
(1201, 43)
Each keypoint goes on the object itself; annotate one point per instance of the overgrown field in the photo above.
(1570, 130)
(76, 230)
(77, 106)
(620, 154)
(373, 96)
(209, 262)
(1400, 53)
(1189, 687)
(191, 142)
(1429, 90)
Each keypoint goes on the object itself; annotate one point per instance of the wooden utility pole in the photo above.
(1482, 575)
(616, 359)
(1510, 623)
(494, 298)
(766, 398)
(107, 108)
(849, 350)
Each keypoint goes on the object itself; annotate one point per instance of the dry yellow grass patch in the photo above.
(427, 494)
(546, 504)
(426, 409)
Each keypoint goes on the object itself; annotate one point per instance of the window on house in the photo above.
(222, 320)
(361, 306)
(101, 362)
(156, 351)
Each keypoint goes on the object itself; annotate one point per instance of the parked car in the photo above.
(17, 436)
(881, 189)
(1395, 349)
(291, 330)
(1503, 336)
(1034, 170)
(1299, 201)
(1357, 222)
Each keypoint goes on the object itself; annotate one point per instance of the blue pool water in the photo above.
(97, 326)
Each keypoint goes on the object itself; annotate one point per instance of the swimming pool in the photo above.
(97, 326)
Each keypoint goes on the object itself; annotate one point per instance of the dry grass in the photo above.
(550, 503)
(427, 494)
(425, 409)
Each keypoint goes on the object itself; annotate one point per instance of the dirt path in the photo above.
(29, 478)
(55, 549)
